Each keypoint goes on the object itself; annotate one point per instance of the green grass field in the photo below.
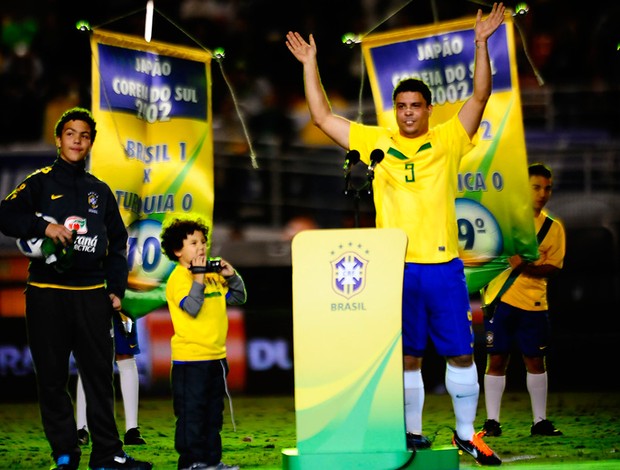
(266, 425)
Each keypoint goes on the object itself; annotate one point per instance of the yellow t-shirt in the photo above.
(415, 185)
(200, 338)
(530, 293)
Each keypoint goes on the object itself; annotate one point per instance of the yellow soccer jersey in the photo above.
(530, 293)
(415, 185)
(200, 338)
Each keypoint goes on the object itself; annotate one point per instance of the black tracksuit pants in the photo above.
(61, 322)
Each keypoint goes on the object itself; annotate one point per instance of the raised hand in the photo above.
(302, 51)
(485, 28)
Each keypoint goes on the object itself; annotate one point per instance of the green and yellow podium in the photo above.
(347, 301)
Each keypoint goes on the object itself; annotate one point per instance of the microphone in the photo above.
(375, 158)
(353, 156)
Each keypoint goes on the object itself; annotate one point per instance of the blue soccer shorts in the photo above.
(436, 306)
(530, 330)
(125, 342)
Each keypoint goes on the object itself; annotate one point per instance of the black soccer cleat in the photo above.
(492, 428)
(83, 438)
(477, 448)
(544, 428)
(66, 462)
(417, 441)
(125, 462)
(133, 437)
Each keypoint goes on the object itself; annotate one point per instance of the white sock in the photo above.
(414, 401)
(462, 385)
(537, 388)
(130, 386)
(80, 405)
(494, 386)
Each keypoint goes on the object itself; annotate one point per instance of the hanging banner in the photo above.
(154, 143)
(493, 204)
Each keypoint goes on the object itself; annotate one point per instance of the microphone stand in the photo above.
(376, 156)
(351, 191)
(355, 193)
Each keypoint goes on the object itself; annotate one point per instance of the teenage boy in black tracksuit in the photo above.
(70, 303)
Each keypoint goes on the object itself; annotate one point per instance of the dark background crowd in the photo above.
(45, 59)
(569, 76)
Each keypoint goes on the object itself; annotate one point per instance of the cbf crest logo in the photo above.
(349, 274)
(93, 200)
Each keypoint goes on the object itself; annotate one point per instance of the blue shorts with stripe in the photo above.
(529, 330)
(125, 343)
(436, 306)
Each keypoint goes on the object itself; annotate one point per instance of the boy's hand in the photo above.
(227, 269)
(200, 261)
(116, 302)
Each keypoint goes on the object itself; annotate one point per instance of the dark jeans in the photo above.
(198, 390)
(60, 322)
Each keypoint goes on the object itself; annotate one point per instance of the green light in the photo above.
(219, 53)
(350, 39)
(521, 8)
(82, 25)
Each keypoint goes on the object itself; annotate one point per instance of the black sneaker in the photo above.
(223, 466)
(477, 448)
(492, 428)
(124, 462)
(204, 466)
(417, 441)
(65, 462)
(83, 438)
(544, 428)
(134, 438)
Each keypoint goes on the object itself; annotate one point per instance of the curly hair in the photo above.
(77, 114)
(174, 232)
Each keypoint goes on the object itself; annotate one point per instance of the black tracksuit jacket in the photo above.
(79, 200)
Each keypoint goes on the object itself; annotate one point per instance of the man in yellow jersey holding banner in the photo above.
(414, 189)
(521, 315)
